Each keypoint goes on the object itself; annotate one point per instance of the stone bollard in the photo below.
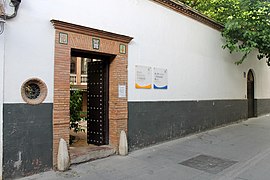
(63, 157)
(123, 145)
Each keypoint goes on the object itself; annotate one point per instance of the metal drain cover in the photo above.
(208, 164)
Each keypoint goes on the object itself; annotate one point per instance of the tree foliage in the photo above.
(246, 22)
(75, 109)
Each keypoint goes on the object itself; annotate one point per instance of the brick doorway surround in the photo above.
(70, 36)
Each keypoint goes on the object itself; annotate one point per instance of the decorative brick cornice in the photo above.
(186, 10)
(60, 25)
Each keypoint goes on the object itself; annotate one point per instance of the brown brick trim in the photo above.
(60, 25)
(81, 38)
(186, 10)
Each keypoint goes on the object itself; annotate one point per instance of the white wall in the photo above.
(191, 51)
(198, 67)
(2, 60)
(29, 51)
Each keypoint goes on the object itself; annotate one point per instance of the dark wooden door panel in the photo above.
(97, 118)
(250, 94)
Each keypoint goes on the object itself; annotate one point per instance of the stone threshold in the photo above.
(89, 153)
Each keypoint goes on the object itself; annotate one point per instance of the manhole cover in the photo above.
(208, 164)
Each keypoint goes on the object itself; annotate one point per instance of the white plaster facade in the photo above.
(2, 61)
(198, 67)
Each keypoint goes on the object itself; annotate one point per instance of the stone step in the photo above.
(88, 153)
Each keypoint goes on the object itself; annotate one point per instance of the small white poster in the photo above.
(143, 77)
(122, 91)
(160, 78)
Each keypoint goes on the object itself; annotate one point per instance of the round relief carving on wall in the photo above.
(34, 91)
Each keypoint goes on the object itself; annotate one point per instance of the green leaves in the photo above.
(247, 24)
(75, 109)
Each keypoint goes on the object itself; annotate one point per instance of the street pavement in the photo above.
(239, 151)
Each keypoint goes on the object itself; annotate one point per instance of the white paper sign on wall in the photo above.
(122, 91)
(143, 77)
(160, 80)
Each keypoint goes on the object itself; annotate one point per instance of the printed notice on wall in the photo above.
(160, 78)
(143, 77)
(122, 91)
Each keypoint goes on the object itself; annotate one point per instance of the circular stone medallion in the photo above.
(34, 91)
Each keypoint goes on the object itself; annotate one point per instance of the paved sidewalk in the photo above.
(236, 152)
